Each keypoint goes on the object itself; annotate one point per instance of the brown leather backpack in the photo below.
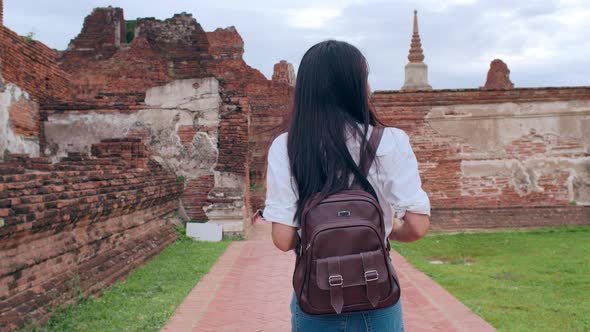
(343, 262)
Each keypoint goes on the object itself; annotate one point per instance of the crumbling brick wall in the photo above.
(113, 79)
(252, 105)
(20, 125)
(29, 75)
(270, 103)
(107, 70)
(482, 151)
(102, 34)
(32, 66)
(179, 122)
(78, 225)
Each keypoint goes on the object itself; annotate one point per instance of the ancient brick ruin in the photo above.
(498, 158)
(141, 123)
(108, 143)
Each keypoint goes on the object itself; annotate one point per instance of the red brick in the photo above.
(80, 225)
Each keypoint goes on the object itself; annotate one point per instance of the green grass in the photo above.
(535, 280)
(148, 297)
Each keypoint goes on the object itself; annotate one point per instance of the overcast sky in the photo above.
(544, 43)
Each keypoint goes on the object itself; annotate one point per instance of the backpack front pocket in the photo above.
(356, 281)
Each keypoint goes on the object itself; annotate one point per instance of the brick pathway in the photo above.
(249, 289)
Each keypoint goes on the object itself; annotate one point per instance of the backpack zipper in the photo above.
(322, 228)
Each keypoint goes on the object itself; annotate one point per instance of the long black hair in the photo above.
(331, 95)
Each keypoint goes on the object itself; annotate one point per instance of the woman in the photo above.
(327, 131)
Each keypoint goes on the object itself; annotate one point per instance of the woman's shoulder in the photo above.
(278, 146)
(279, 141)
(393, 140)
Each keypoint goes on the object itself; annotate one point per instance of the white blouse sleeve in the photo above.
(399, 175)
(281, 198)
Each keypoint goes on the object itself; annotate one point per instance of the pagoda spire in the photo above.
(416, 54)
(416, 70)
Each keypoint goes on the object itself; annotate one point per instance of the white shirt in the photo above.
(394, 176)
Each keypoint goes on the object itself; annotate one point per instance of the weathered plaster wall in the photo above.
(534, 152)
(114, 95)
(492, 127)
(179, 122)
(19, 122)
(29, 75)
(486, 153)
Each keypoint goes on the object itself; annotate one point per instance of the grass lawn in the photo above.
(146, 299)
(536, 280)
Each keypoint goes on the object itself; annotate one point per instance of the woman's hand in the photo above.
(413, 227)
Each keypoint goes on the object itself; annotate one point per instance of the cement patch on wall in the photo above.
(192, 103)
(490, 127)
(9, 141)
(180, 124)
(524, 175)
(537, 153)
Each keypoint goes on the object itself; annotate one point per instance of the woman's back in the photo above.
(394, 176)
(328, 132)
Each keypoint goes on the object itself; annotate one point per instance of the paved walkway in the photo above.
(249, 289)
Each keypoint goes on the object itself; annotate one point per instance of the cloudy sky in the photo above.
(544, 42)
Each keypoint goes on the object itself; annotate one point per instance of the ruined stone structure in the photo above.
(76, 226)
(284, 72)
(185, 92)
(416, 70)
(498, 158)
(105, 144)
(498, 76)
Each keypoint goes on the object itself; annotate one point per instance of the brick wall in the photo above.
(132, 150)
(32, 66)
(20, 130)
(509, 217)
(111, 77)
(109, 73)
(486, 152)
(26, 66)
(235, 76)
(254, 106)
(195, 196)
(24, 118)
(78, 225)
(102, 34)
(270, 102)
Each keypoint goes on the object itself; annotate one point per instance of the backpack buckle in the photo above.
(371, 275)
(335, 280)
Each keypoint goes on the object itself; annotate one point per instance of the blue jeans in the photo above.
(386, 319)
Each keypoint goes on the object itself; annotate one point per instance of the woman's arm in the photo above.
(281, 199)
(413, 227)
(283, 236)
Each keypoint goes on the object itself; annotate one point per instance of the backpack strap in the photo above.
(336, 282)
(374, 141)
(371, 278)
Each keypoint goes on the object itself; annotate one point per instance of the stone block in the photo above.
(204, 231)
